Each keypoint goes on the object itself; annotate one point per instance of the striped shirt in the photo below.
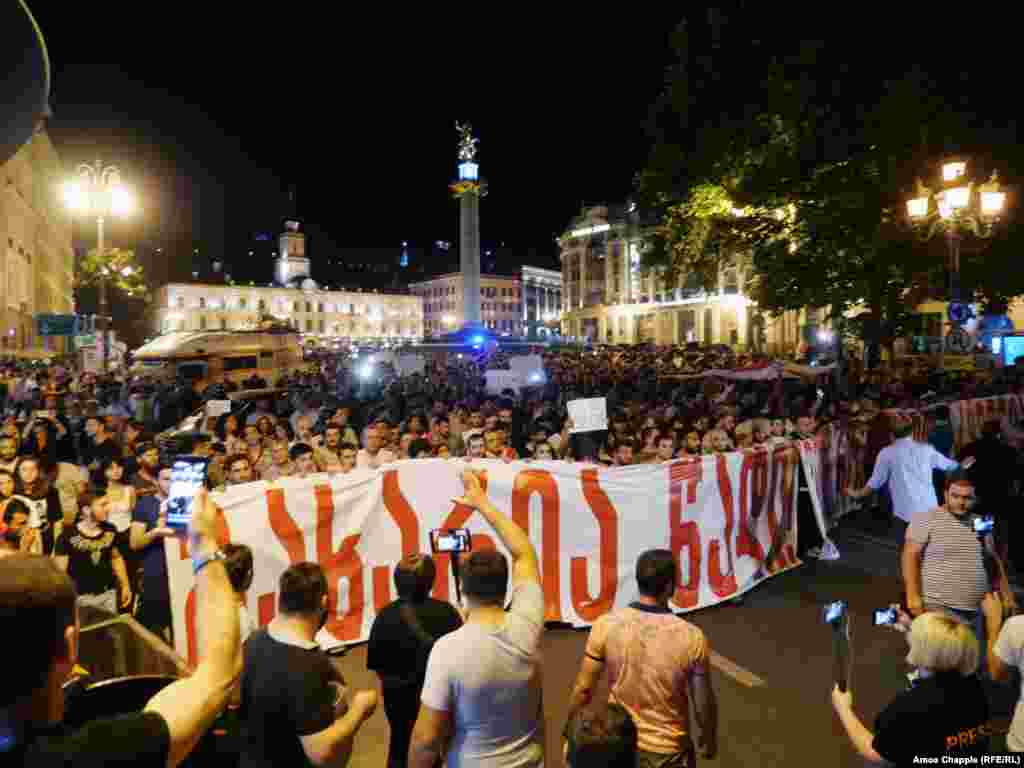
(952, 568)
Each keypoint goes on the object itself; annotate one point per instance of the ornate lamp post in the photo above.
(97, 191)
(957, 207)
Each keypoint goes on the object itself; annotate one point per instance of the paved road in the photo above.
(774, 673)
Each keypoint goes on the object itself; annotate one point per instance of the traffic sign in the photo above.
(959, 341)
(57, 325)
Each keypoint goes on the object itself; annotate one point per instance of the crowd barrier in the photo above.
(121, 647)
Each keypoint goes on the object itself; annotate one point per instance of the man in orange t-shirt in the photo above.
(656, 662)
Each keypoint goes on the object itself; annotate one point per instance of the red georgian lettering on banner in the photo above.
(527, 483)
(457, 518)
(685, 535)
(266, 608)
(345, 563)
(586, 607)
(753, 494)
(781, 554)
(408, 523)
(287, 531)
(723, 584)
(825, 486)
(843, 456)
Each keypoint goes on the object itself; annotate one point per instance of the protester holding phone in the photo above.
(188, 476)
(945, 714)
(147, 534)
(496, 650)
(948, 567)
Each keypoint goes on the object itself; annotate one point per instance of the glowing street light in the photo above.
(957, 206)
(97, 191)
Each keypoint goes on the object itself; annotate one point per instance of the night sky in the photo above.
(213, 117)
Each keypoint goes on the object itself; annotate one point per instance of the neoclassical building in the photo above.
(542, 308)
(523, 305)
(296, 299)
(609, 299)
(501, 304)
(36, 276)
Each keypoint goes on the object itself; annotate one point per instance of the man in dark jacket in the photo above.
(400, 641)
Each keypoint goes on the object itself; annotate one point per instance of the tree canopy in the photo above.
(118, 267)
(807, 176)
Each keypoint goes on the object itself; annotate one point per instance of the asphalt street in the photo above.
(773, 664)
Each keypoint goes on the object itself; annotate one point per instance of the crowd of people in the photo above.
(84, 482)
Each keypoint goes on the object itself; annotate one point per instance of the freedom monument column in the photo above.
(469, 188)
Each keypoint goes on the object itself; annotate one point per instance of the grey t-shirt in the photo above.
(1009, 647)
(489, 679)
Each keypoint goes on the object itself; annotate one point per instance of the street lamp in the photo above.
(957, 207)
(97, 191)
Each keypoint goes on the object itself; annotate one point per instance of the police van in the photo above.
(216, 357)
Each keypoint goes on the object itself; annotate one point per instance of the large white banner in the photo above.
(729, 519)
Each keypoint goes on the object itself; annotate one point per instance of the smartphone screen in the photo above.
(451, 540)
(885, 616)
(835, 611)
(983, 524)
(188, 476)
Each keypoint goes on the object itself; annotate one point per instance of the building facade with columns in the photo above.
(346, 316)
(542, 301)
(609, 299)
(501, 304)
(37, 271)
(527, 305)
(341, 315)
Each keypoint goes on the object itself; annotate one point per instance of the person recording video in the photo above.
(38, 606)
(944, 714)
(948, 566)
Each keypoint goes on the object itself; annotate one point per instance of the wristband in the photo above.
(202, 562)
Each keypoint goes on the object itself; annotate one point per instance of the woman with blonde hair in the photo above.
(944, 712)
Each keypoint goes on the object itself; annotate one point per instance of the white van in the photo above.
(215, 357)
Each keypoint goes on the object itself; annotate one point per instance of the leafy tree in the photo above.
(808, 182)
(118, 267)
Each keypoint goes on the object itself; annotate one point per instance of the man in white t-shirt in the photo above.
(1005, 653)
(374, 454)
(481, 701)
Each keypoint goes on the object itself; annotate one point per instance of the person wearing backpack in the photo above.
(401, 638)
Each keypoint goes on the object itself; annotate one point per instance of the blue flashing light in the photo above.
(469, 172)
(478, 340)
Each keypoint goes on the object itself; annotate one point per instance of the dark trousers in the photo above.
(808, 532)
(401, 706)
(155, 615)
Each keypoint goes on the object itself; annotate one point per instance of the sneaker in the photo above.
(813, 552)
